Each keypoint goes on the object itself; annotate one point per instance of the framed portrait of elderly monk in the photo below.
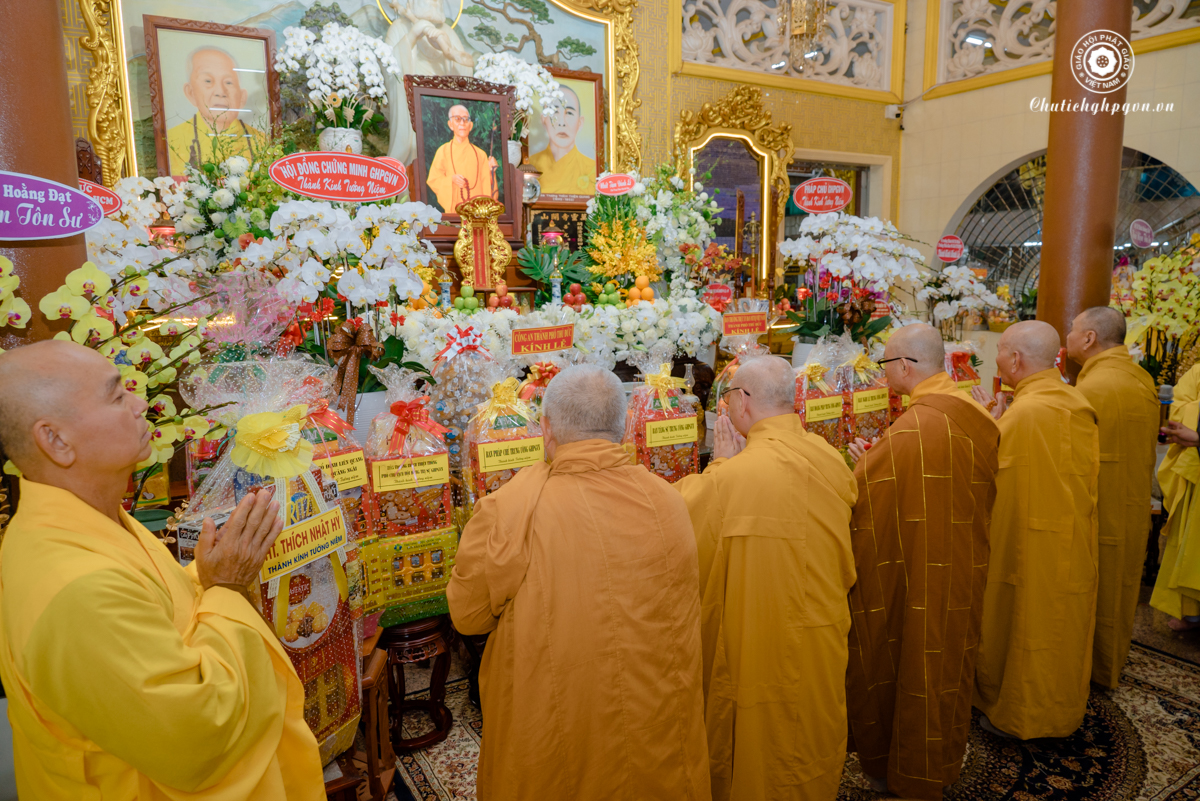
(567, 148)
(462, 127)
(214, 93)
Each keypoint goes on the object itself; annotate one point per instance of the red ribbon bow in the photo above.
(412, 413)
(459, 341)
(321, 415)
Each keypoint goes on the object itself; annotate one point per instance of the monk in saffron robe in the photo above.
(1034, 667)
(1177, 590)
(1126, 404)
(459, 170)
(772, 520)
(920, 536)
(584, 572)
(127, 675)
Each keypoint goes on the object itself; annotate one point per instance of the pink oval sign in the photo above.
(37, 208)
(615, 184)
(343, 177)
(1141, 233)
(949, 248)
(822, 195)
(109, 200)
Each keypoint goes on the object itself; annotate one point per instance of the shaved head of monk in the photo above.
(1026, 348)
(913, 353)
(765, 387)
(66, 418)
(1094, 331)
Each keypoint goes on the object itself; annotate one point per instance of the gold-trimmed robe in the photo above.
(1126, 404)
(1177, 590)
(127, 680)
(1034, 668)
(584, 572)
(920, 536)
(773, 530)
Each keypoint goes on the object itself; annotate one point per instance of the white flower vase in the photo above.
(367, 405)
(709, 355)
(514, 151)
(800, 351)
(341, 140)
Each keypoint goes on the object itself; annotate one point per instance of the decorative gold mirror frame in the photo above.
(740, 115)
(110, 120)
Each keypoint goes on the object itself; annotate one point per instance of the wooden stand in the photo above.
(415, 642)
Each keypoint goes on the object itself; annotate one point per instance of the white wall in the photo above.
(953, 147)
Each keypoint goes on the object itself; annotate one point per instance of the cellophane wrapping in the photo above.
(409, 552)
(502, 437)
(742, 350)
(533, 388)
(819, 399)
(309, 608)
(670, 461)
(958, 364)
(867, 411)
(463, 379)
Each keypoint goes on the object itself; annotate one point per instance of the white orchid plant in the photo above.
(532, 81)
(953, 291)
(345, 71)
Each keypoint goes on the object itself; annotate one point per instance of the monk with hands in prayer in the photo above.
(772, 521)
(128, 676)
(920, 537)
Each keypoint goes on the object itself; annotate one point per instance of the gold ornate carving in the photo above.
(108, 126)
(628, 155)
(480, 228)
(739, 112)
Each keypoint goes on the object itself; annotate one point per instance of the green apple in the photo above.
(472, 303)
(468, 292)
(460, 303)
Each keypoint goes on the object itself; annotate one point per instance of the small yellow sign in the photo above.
(870, 400)
(420, 471)
(966, 385)
(510, 455)
(349, 469)
(905, 400)
(300, 544)
(670, 432)
(819, 409)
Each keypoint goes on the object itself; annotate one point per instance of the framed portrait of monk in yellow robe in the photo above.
(462, 127)
(213, 89)
(567, 148)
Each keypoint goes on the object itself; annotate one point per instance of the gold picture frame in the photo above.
(740, 115)
(110, 121)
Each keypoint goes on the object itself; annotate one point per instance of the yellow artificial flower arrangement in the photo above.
(619, 247)
(269, 443)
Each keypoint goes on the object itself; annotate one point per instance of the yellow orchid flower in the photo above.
(88, 280)
(162, 406)
(269, 443)
(91, 329)
(195, 426)
(216, 433)
(143, 352)
(163, 377)
(6, 265)
(134, 380)
(11, 469)
(18, 313)
(171, 328)
(61, 304)
(9, 284)
(184, 361)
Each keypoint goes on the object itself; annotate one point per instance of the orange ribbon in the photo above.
(539, 377)
(412, 413)
(321, 415)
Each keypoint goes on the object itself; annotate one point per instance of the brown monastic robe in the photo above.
(920, 538)
(585, 572)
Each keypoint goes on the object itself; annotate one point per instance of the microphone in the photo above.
(1166, 395)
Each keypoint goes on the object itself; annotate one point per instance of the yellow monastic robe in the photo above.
(573, 174)
(773, 528)
(460, 158)
(920, 536)
(584, 572)
(1126, 405)
(191, 142)
(127, 680)
(1177, 591)
(1039, 609)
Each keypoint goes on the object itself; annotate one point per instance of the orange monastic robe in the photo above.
(773, 528)
(584, 570)
(1126, 405)
(460, 158)
(920, 535)
(1034, 668)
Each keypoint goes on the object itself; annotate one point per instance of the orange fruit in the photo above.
(641, 282)
(635, 294)
(647, 293)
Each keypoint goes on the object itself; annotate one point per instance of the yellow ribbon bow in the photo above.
(663, 382)
(815, 372)
(863, 367)
(504, 401)
(269, 443)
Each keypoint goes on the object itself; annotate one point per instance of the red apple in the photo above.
(506, 301)
(493, 302)
(576, 289)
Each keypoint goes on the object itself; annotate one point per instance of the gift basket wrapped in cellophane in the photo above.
(502, 437)
(661, 430)
(819, 400)
(866, 411)
(741, 349)
(959, 357)
(310, 576)
(533, 387)
(408, 555)
(464, 372)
